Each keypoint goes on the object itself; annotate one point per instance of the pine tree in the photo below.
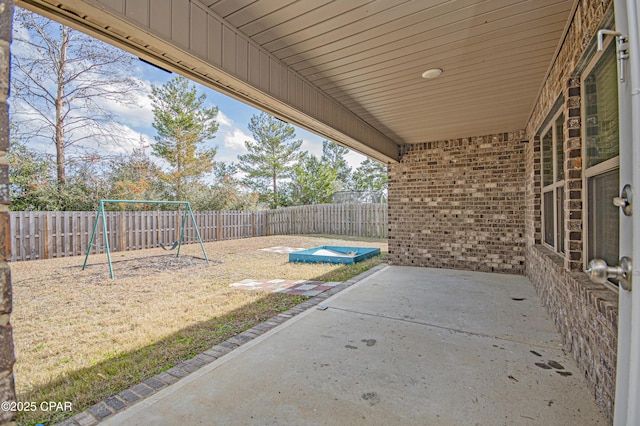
(272, 157)
(333, 155)
(182, 122)
(370, 176)
(313, 181)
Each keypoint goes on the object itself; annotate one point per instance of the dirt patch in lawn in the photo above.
(80, 336)
(135, 268)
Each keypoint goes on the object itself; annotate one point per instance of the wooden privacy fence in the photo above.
(360, 220)
(45, 235)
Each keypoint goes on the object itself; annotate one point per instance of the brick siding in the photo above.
(585, 313)
(459, 204)
(573, 194)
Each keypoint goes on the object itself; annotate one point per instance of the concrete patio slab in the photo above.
(497, 305)
(405, 346)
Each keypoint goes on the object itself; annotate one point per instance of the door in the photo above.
(627, 409)
(627, 398)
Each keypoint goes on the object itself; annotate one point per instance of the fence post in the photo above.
(120, 231)
(45, 235)
(12, 228)
(266, 223)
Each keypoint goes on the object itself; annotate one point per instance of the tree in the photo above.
(273, 155)
(333, 155)
(34, 187)
(370, 176)
(134, 177)
(226, 193)
(183, 122)
(29, 175)
(86, 185)
(313, 181)
(229, 193)
(61, 80)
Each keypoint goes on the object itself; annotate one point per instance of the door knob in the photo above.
(600, 272)
(625, 200)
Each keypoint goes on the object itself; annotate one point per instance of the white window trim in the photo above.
(554, 186)
(598, 169)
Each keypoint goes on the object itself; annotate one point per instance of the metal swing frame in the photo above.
(101, 215)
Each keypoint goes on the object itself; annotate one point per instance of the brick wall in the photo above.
(459, 204)
(584, 313)
(584, 26)
(7, 390)
(562, 81)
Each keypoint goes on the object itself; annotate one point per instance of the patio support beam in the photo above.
(184, 36)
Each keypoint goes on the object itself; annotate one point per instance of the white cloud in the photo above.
(354, 159)
(136, 116)
(235, 138)
(121, 139)
(116, 138)
(223, 120)
(312, 147)
(315, 147)
(128, 140)
(21, 33)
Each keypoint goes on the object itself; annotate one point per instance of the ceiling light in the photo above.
(432, 73)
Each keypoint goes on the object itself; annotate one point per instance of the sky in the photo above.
(135, 123)
(233, 119)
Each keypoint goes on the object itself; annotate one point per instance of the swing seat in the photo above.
(175, 244)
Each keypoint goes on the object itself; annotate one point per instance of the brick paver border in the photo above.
(121, 401)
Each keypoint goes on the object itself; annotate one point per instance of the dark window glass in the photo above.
(560, 208)
(547, 159)
(601, 110)
(560, 148)
(603, 217)
(548, 217)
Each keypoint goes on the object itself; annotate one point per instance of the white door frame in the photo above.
(627, 399)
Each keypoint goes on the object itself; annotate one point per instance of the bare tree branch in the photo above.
(62, 78)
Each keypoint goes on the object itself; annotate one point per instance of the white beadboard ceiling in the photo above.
(349, 70)
(369, 56)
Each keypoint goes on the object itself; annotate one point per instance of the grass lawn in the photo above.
(81, 337)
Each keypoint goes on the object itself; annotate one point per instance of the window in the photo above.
(601, 157)
(553, 183)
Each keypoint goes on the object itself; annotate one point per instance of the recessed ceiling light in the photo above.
(432, 73)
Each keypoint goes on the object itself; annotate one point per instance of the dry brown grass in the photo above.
(80, 336)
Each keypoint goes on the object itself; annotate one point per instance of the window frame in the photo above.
(601, 168)
(556, 184)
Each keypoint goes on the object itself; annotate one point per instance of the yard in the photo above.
(81, 337)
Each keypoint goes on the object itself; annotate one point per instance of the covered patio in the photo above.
(410, 346)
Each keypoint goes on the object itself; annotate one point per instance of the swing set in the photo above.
(176, 244)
